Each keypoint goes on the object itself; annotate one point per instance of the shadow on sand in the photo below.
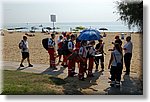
(20, 68)
(74, 86)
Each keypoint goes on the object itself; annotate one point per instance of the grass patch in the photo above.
(57, 81)
(22, 83)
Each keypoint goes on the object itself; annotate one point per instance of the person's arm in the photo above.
(110, 61)
(125, 47)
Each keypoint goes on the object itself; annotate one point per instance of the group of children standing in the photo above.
(81, 52)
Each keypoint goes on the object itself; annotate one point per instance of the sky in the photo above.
(38, 11)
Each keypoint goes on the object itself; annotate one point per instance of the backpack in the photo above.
(65, 48)
(20, 44)
(45, 43)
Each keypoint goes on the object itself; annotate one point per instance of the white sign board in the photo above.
(53, 18)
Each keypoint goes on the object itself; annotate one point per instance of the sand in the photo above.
(39, 55)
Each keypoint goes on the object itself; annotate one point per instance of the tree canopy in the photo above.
(131, 13)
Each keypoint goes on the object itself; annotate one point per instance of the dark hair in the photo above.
(52, 34)
(100, 40)
(24, 37)
(72, 36)
(128, 37)
(83, 41)
(117, 37)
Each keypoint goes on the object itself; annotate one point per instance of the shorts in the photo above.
(25, 55)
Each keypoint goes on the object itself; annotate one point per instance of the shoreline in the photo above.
(7, 31)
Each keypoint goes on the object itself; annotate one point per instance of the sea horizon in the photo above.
(113, 26)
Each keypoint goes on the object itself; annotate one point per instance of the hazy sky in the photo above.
(38, 11)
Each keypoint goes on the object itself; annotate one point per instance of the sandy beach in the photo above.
(39, 55)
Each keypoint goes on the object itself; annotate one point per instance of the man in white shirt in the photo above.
(25, 51)
(128, 54)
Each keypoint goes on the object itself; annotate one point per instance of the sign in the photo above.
(53, 18)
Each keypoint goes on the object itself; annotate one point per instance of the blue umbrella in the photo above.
(90, 34)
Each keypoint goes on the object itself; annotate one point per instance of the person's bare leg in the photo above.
(30, 65)
(28, 60)
(21, 64)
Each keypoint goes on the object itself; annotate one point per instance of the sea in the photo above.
(69, 26)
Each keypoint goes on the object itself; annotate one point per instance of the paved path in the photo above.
(99, 84)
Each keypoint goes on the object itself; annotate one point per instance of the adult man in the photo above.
(51, 51)
(25, 51)
(128, 54)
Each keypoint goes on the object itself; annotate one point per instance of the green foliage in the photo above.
(131, 13)
(80, 28)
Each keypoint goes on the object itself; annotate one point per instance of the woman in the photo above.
(116, 65)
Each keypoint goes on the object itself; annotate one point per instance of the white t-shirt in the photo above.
(116, 54)
(92, 51)
(83, 52)
(128, 47)
(25, 47)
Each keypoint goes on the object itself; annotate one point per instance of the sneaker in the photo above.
(109, 78)
(54, 68)
(126, 73)
(30, 65)
(117, 84)
(74, 73)
(60, 61)
(102, 70)
(71, 75)
(112, 83)
(82, 79)
(90, 75)
(96, 70)
(65, 66)
(21, 65)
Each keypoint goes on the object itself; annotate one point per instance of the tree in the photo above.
(131, 13)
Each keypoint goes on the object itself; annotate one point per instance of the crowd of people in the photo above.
(85, 54)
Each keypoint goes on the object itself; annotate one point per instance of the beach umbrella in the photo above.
(103, 29)
(90, 34)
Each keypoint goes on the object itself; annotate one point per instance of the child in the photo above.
(83, 62)
(99, 50)
(25, 51)
(116, 65)
(60, 42)
(91, 58)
